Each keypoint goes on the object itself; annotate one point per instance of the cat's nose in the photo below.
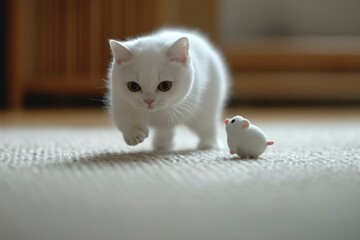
(149, 101)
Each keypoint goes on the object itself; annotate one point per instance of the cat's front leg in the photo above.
(208, 135)
(163, 139)
(135, 134)
(134, 131)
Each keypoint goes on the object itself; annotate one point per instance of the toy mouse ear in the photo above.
(245, 123)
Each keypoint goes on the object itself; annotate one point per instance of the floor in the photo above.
(98, 116)
(65, 174)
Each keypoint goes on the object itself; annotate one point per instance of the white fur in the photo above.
(197, 96)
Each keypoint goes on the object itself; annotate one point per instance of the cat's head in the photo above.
(151, 75)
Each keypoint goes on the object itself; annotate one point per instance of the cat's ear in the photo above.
(121, 53)
(179, 51)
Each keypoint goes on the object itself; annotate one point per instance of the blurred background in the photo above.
(280, 52)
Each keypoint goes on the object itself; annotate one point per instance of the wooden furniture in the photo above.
(60, 48)
(296, 69)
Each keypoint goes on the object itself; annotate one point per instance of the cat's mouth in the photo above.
(150, 108)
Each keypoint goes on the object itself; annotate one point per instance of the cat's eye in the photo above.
(165, 86)
(133, 86)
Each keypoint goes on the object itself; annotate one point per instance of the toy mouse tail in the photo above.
(270, 142)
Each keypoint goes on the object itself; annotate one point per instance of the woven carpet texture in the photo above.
(85, 183)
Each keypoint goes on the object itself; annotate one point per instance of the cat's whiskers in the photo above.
(187, 118)
(199, 87)
(195, 98)
(191, 105)
(186, 110)
(172, 117)
(175, 114)
(179, 116)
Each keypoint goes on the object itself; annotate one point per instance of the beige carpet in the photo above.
(84, 183)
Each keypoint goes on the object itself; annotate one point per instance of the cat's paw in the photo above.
(162, 146)
(136, 135)
(163, 139)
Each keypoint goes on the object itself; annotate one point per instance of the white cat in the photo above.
(168, 78)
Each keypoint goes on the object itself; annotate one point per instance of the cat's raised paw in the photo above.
(136, 136)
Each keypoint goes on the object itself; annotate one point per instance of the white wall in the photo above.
(256, 18)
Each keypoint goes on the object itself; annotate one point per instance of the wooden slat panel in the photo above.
(115, 20)
(105, 33)
(130, 16)
(60, 37)
(74, 86)
(21, 15)
(43, 36)
(95, 38)
(71, 38)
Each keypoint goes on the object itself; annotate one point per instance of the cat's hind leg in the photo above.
(163, 139)
(207, 122)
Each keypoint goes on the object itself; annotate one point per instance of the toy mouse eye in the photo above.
(165, 86)
(232, 121)
(133, 86)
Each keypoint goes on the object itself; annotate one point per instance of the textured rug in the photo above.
(85, 183)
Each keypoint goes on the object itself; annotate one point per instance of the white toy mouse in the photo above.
(245, 139)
